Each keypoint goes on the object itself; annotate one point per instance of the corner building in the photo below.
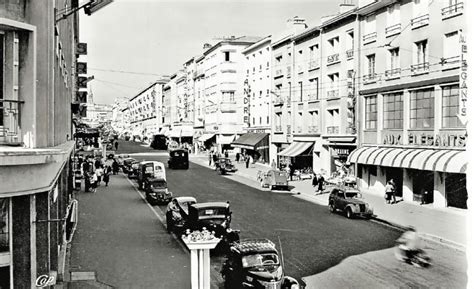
(410, 59)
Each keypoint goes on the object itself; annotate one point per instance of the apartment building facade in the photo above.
(38, 85)
(254, 139)
(412, 56)
(143, 117)
(224, 75)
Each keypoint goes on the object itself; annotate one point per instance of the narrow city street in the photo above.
(121, 238)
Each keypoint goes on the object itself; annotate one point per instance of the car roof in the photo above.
(211, 204)
(253, 246)
(185, 199)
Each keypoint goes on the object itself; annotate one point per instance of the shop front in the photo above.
(224, 141)
(255, 145)
(423, 175)
(207, 141)
(299, 154)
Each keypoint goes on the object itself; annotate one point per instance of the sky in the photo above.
(132, 42)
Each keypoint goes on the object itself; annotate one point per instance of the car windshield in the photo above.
(260, 260)
(353, 195)
(206, 213)
(159, 184)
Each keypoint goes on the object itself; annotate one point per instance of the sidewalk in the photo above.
(447, 226)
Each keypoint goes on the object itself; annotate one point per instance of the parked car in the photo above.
(120, 158)
(224, 166)
(132, 170)
(127, 164)
(273, 179)
(255, 264)
(156, 191)
(147, 169)
(349, 201)
(179, 158)
(177, 212)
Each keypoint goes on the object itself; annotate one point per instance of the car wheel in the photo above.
(332, 209)
(349, 213)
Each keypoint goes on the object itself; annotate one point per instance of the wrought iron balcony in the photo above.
(350, 54)
(332, 130)
(312, 96)
(393, 30)
(452, 10)
(393, 73)
(420, 21)
(278, 101)
(333, 93)
(420, 68)
(10, 122)
(369, 78)
(334, 58)
(370, 37)
(278, 73)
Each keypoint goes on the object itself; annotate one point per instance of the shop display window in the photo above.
(422, 108)
(4, 225)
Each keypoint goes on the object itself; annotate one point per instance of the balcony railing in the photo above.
(10, 121)
(288, 71)
(452, 10)
(333, 93)
(313, 64)
(278, 128)
(393, 73)
(393, 30)
(420, 21)
(312, 96)
(300, 69)
(228, 106)
(278, 101)
(313, 128)
(350, 54)
(451, 62)
(278, 73)
(334, 58)
(369, 78)
(420, 68)
(370, 37)
(332, 129)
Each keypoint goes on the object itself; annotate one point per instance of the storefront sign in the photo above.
(341, 151)
(256, 130)
(393, 139)
(463, 78)
(46, 280)
(247, 102)
(439, 140)
(81, 68)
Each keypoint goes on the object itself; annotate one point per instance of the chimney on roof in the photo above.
(346, 5)
(296, 24)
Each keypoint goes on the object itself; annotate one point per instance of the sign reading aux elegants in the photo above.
(445, 139)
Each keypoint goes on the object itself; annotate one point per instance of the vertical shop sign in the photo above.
(246, 102)
(463, 78)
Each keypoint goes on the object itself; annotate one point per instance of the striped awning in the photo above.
(252, 141)
(295, 149)
(225, 139)
(440, 160)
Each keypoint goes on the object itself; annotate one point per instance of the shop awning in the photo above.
(295, 149)
(225, 139)
(251, 141)
(205, 137)
(175, 132)
(440, 160)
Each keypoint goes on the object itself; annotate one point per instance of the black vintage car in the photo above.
(179, 158)
(156, 191)
(214, 216)
(255, 264)
(224, 166)
(127, 164)
(349, 201)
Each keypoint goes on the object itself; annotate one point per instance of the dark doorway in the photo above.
(456, 192)
(423, 186)
(397, 175)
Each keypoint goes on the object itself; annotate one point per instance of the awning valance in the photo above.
(440, 160)
(205, 137)
(225, 139)
(295, 149)
(251, 141)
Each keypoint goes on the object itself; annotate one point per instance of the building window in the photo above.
(2, 60)
(253, 120)
(421, 56)
(301, 90)
(451, 106)
(394, 58)
(333, 45)
(226, 55)
(371, 65)
(4, 225)
(314, 89)
(451, 47)
(371, 112)
(422, 108)
(260, 118)
(393, 110)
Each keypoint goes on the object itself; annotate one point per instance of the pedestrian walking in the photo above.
(237, 157)
(226, 153)
(210, 158)
(274, 165)
(116, 145)
(94, 182)
(115, 167)
(318, 183)
(389, 190)
(292, 171)
(247, 161)
(394, 190)
(107, 176)
(99, 173)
